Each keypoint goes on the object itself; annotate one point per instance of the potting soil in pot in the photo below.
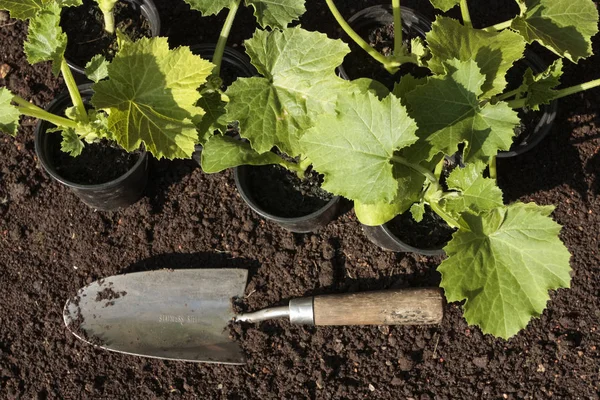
(84, 26)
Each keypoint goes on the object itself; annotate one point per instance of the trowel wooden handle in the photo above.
(388, 307)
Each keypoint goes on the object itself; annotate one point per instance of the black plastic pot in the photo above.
(148, 10)
(545, 116)
(237, 63)
(384, 238)
(109, 196)
(307, 223)
(413, 25)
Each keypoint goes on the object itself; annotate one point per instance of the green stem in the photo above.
(464, 11)
(387, 64)
(520, 103)
(220, 49)
(445, 216)
(109, 22)
(505, 96)
(31, 110)
(576, 89)
(492, 167)
(499, 27)
(398, 46)
(416, 167)
(438, 169)
(435, 188)
(73, 91)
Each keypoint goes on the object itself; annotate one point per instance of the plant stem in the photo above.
(505, 96)
(520, 103)
(464, 11)
(492, 167)
(576, 89)
(73, 91)
(387, 64)
(31, 110)
(438, 169)
(436, 187)
(499, 27)
(445, 216)
(416, 167)
(220, 49)
(398, 46)
(109, 22)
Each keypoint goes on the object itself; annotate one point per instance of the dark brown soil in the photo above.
(281, 193)
(51, 245)
(84, 26)
(89, 168)
(431, 233)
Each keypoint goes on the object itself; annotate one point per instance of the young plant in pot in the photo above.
(90, 25)
(502, 55)
(278, 185)
(387, 153)
(137, 112)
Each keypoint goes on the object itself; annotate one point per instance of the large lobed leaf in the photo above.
(151, 95)
(269, 13)
(448, 112)
(276, 13)
(503, 265)
(494, 52)
(22, 9)
(45, 40)
(222, 152)
(359, 142)
(565, 27)
(444, 5)
(29, 9)
(299, 84)
(9, 115)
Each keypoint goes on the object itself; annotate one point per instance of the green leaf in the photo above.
(215, 118)
(418, 211)
(407, 84)
(22, 9)
(360, 143)
(106, 6)
(9, 114)
(448, 112)
(473, 191)
(364, 85)
(68, 3)
(494, 52)
(299, 84)
(45, 40)
(97, 68)
(444, 5)
(503, 265)
(539, 89)
(276, 13)
(410, 184)
(71, 143)
(565, 27)
(209, 7)
(222, 152)
(151, 96)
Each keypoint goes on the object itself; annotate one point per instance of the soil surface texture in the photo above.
(51, 245)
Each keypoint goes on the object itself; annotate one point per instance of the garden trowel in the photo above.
(184, 314)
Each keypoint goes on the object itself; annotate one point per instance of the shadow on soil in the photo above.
(200, 260)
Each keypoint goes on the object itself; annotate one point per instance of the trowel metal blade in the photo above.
(168, 314)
